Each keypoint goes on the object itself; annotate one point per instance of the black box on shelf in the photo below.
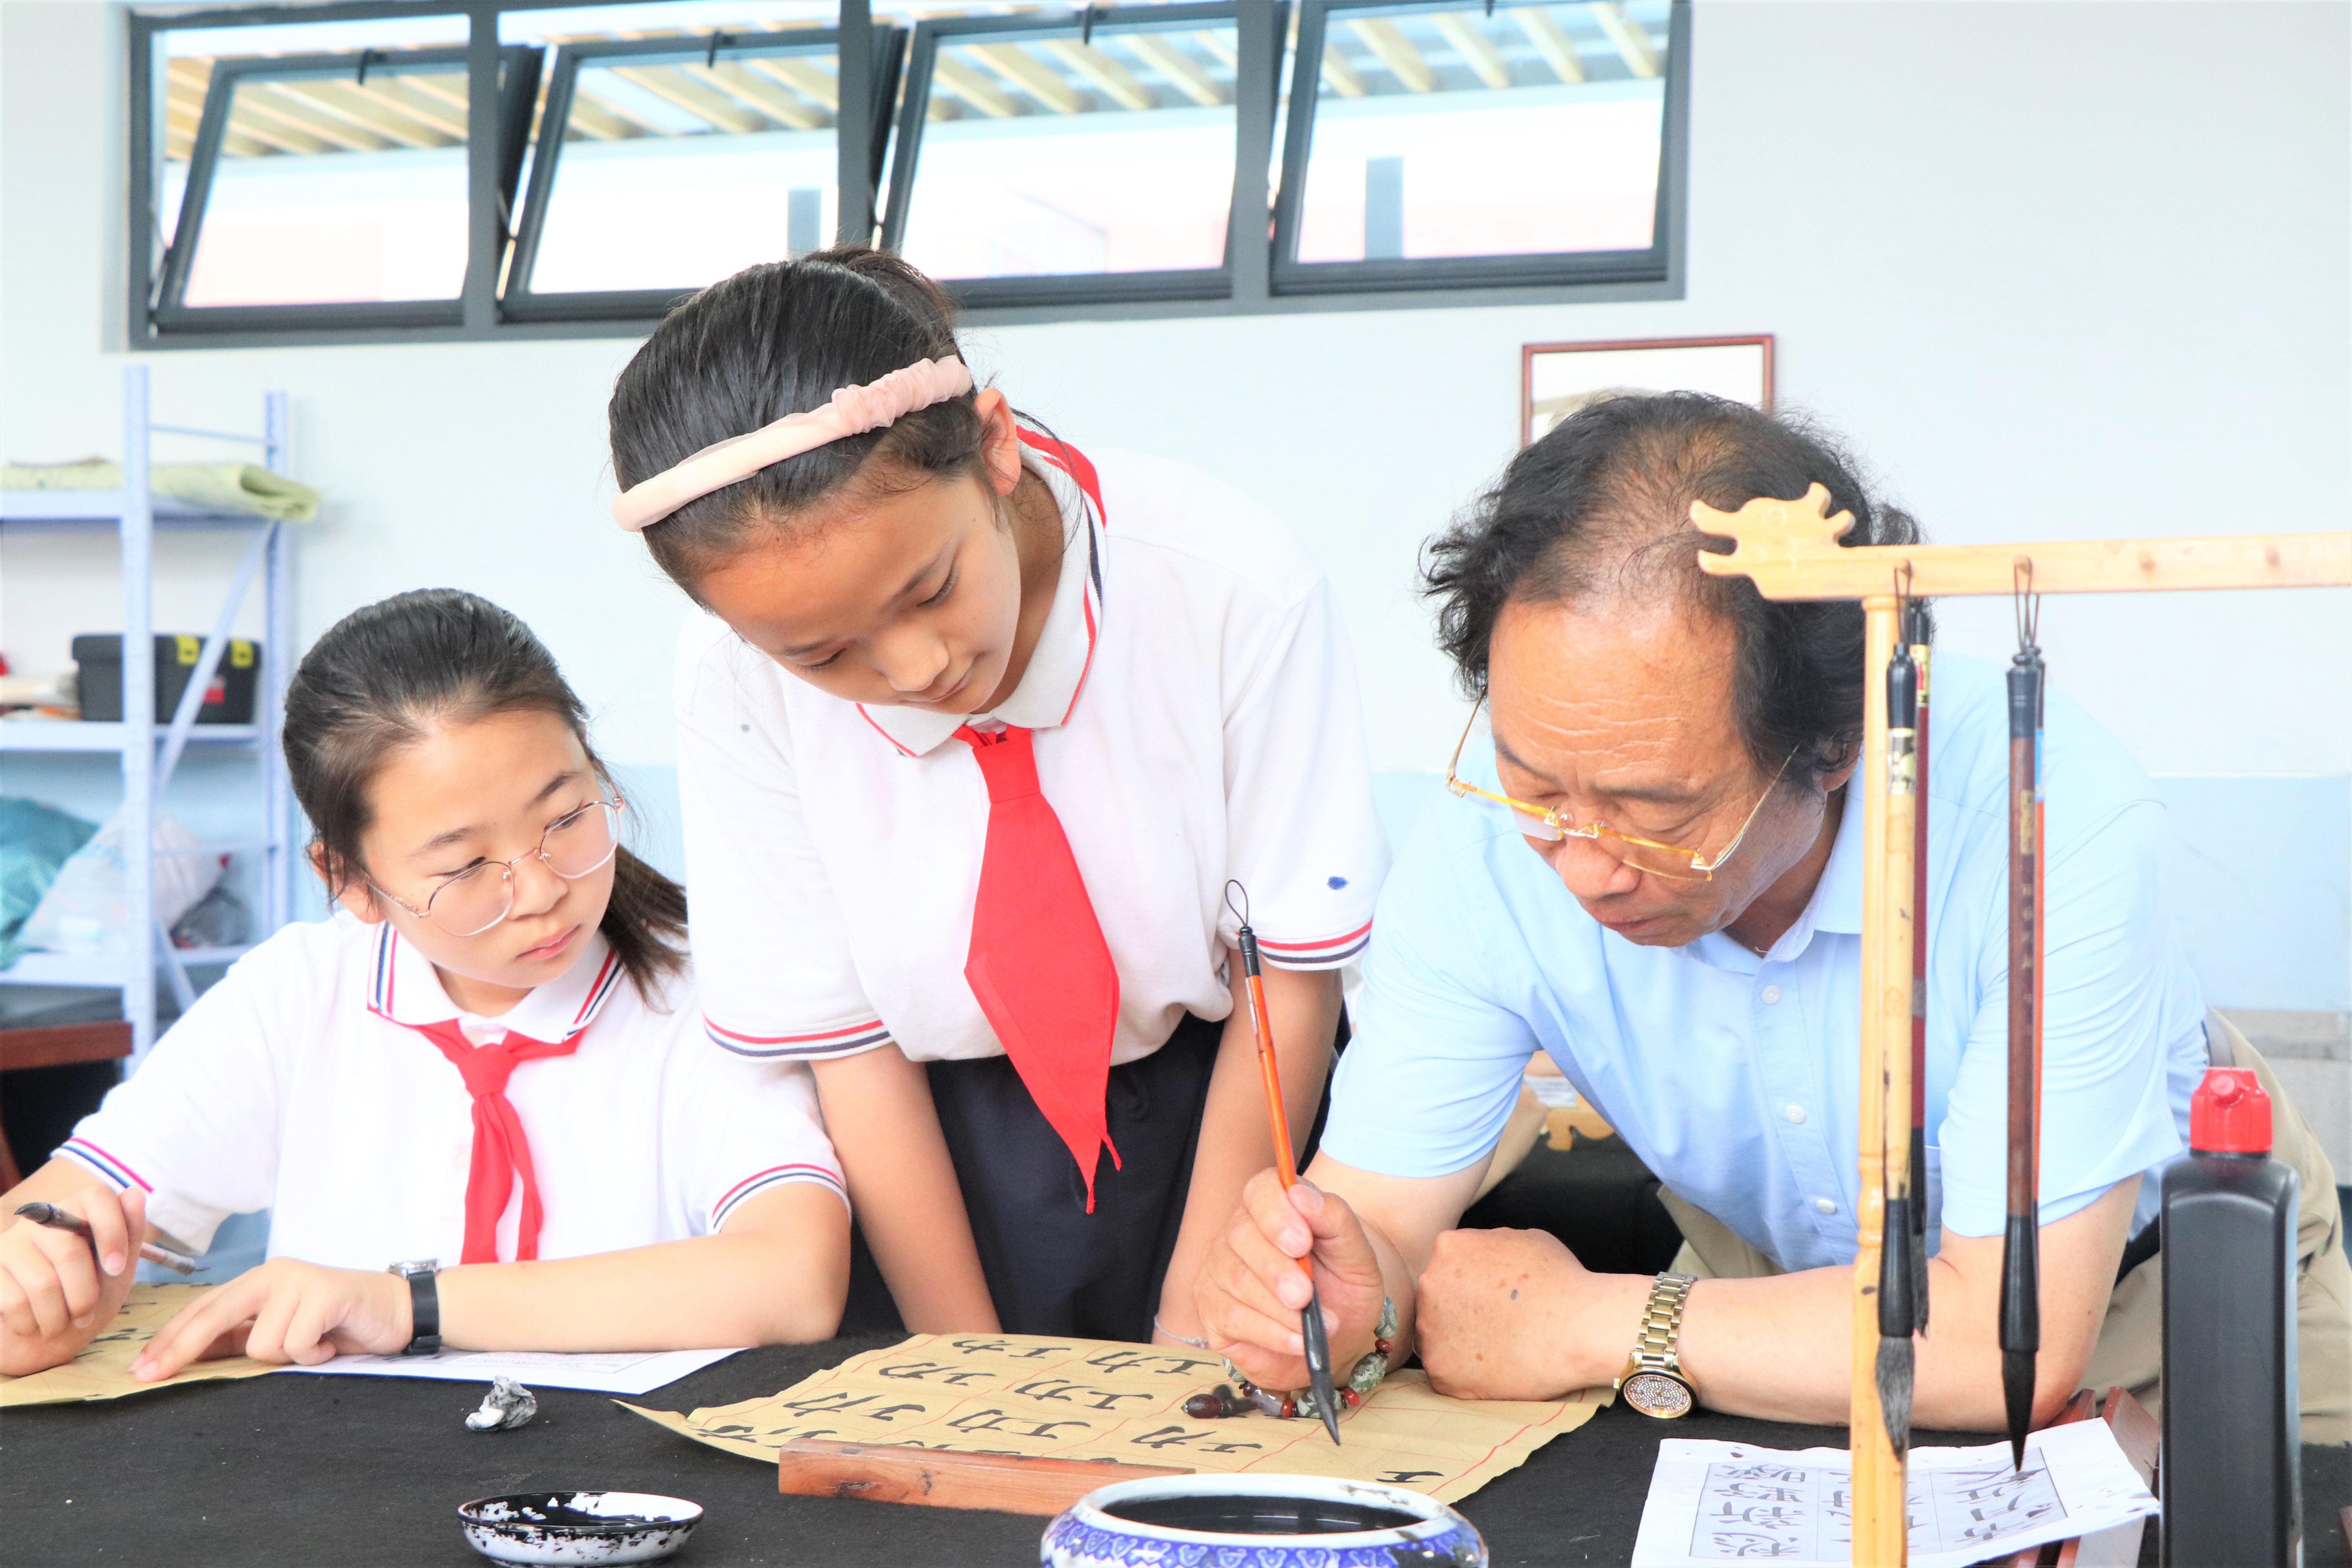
(228, 700)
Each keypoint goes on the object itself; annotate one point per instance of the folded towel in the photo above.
(216, 487)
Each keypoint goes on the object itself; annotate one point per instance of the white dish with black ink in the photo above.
(578, 1527)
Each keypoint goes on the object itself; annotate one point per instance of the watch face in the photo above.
(1655, 1393)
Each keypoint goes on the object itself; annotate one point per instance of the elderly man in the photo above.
(1652, 871)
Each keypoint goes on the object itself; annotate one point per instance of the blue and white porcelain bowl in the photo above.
(1259, 1522)
(578, 1527)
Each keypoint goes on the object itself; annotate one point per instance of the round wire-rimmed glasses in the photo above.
(471, 901)
(1642, 854)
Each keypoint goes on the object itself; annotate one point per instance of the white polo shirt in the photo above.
(1196, 719)
(297, 1084)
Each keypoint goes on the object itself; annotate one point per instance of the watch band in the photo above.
(1658, 1347)
(424, 1306)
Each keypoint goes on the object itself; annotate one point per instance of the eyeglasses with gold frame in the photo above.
(471, 901)
(1642, 854)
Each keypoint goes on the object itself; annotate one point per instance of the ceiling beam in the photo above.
(264, 101)
(1471, 44)
(1338, 75)
(252, 121)
(356, 106)
(431, 109)
(1114, 81)
(1222, 46)
(1394, 50)
(602, 119)
(1025, 72)
(1629, 37)
(803, 76)
(761, 93)
(1551, 41)
(973, 87)
(1185, 76)
(674, 86)
(445, 87)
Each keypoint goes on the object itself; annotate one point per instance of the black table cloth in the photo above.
(306, 1470)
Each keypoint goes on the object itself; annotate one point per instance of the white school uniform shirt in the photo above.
(297, 1085)
(1195, 718)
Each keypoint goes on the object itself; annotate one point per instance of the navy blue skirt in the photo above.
(1052, 1267)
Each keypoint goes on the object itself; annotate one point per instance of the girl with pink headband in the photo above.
(975, 731)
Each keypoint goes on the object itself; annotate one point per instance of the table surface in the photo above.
(297, 1469)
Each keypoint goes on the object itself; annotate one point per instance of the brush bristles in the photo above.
(2017, 1391)
(1894, 1371)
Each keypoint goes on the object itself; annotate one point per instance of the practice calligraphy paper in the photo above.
(1090, 1399)
(620, 1372)
(1729, 1502)
(102, 1371)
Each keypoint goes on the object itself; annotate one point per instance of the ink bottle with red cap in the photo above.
(2231, 1473)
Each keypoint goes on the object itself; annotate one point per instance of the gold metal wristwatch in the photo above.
(1653, 1380)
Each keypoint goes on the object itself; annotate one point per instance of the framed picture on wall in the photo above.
(1558, 379)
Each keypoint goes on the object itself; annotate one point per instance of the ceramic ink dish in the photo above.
(1264, 1521)
(578, 1527)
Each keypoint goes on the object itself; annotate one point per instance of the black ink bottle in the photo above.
(2231, 1467)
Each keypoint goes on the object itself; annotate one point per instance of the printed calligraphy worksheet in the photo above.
(1090, 1399)
(1729, 1502)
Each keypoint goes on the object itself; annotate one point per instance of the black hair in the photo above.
(1601, 505)
(382, 675)
(776, 338)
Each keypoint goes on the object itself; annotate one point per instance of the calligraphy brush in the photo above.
(1317, 1341)
(1899, 1286)
(2020, 1303)
(1917, 631)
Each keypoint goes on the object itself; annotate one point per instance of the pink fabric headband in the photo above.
(852, 411)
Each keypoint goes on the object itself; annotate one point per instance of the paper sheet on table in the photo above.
(102, 1371)
(618, 1371)
(1090, 1399)
(1717, 1502)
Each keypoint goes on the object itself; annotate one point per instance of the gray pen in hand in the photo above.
(56, 1218)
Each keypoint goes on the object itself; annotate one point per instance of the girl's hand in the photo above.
(56, 1289)
(285, 1310)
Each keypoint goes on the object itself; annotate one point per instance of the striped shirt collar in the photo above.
(1049, 687)
(404, 987)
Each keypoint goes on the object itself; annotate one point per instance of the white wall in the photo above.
(2054, 269)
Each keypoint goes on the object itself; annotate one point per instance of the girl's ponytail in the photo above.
(382, 675)
(777, 339)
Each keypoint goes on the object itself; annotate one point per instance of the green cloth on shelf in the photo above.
(216, 487)
(36, 841)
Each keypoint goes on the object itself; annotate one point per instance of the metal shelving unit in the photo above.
(150, 751)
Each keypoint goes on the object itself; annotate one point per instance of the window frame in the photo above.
(1082, 287)
(519, 301)
(516, 90)
(1652, 265)
(496, 153)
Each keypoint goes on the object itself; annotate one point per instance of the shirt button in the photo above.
(1771, 993)
(1826, 1206)
(1795, 1113)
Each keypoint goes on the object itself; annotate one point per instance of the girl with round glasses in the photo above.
(490, 1058)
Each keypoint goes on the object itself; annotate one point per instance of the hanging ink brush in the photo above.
(1900, 1285)
(2021, 1293)
(1916, 632)
(1317, 1341)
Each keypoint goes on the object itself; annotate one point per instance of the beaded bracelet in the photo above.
(1373, 1366)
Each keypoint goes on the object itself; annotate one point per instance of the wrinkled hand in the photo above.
(1497, 1317)
(1251, 1290)
(54, 1293)
(285, 1310)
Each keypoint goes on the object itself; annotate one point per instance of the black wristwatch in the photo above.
(424, 1306)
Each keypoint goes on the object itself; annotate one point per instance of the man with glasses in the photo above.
(1650, 869)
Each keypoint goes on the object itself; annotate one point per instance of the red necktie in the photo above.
(500, 1148)
(1038, 965)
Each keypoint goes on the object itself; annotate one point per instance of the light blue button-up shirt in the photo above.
(1734, 1077)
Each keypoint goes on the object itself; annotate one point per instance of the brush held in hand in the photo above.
(1316, 1342)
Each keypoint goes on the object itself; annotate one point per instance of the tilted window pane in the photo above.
(328, 188)
(1447, 131)
(677, 171)
(1049, 156)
